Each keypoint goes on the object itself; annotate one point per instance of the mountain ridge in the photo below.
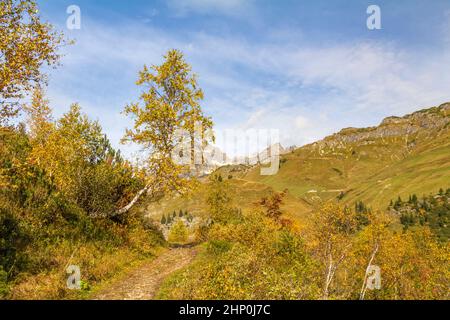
(374, 164)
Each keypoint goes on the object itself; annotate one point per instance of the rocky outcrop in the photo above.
(430, 121)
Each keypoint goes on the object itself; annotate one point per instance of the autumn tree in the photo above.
(370, 241)
(40, 119)
(26, 44)
(219, 199)
(272, 204)
(170, 104)
(333, 229)
(414, 265)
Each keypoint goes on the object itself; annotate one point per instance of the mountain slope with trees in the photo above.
(402, 156)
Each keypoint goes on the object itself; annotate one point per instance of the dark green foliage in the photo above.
(13, 239)
(398, 203)
(362, 212)
(36, 215)
(103, 186)
(3, 283)
(432, 211)
(217, 247)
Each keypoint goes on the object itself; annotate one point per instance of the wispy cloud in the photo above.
(305, 90)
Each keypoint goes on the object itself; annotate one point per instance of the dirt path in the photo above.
(143, 282)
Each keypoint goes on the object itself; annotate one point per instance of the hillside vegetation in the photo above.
(332, 211)
(316, 230)
(401, 156)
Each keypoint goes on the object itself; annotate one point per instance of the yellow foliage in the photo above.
(26, 43)
(171, 105)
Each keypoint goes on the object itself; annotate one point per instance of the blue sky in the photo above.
(307, 68)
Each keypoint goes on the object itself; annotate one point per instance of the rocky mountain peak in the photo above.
(430, 120)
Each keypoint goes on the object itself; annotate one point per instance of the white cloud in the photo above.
(302, 122)
(305, 90)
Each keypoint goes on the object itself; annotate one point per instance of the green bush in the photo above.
(178, 233)
(13, 239)
(218, 246)
(4, 288)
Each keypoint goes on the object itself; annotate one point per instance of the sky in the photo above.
(306, 68)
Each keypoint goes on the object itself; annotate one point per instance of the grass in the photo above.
(99, 261)
(373, 170)
(245, 195)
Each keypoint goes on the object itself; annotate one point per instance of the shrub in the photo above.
(218, 246)
(178, 233)
(13, 240)
(4, 289)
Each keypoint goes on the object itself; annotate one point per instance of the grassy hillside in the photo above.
(244, 193)
(399, 157)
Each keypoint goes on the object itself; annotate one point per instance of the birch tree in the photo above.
(26, 44)
(168, 105)
(333, 228)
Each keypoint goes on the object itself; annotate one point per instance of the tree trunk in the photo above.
(364, 286)
(132, 203)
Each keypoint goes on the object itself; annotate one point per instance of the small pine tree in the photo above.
(163, 219)
(398, 203)
(180, 214)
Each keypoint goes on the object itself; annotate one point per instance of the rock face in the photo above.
(445, 107)
(428, 123)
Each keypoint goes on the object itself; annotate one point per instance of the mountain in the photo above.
(215, 158)
(402, 155)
